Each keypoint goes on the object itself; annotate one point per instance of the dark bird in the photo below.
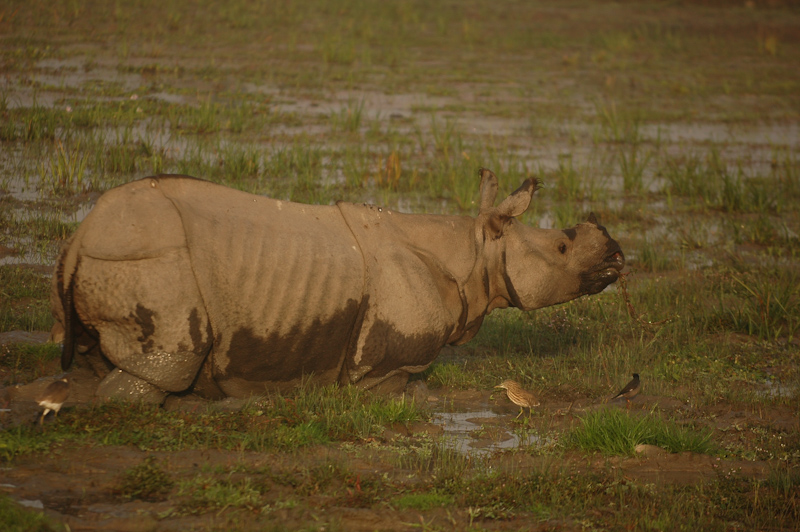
(519, 395)
(53, 397)
(630, 390)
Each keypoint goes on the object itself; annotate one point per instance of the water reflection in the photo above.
(481, 432)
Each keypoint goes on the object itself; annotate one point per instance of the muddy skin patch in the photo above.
(386, 349)
(144, 319)
(314, 348)
(198, 346)
(195, 334)
(571, 233)
(594, 282)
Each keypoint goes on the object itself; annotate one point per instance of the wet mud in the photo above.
(83, 487)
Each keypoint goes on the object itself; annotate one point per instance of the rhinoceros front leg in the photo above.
(150, 319)
(392, 384)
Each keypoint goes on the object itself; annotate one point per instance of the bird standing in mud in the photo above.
(53, 397)
(630, 390)
(519, 395)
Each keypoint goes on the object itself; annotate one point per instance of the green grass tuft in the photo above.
(765, 304)
(615, 432)
(24, 300)
(423, 501)
(23, 363)
(312, 415)
(146, 481)
(207, 493)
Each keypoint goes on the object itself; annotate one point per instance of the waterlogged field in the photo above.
(677, 124)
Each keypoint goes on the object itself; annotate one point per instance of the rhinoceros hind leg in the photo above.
(95, 359)
(148, 315)
(122, 385)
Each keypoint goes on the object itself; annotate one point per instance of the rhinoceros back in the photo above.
(282, 283)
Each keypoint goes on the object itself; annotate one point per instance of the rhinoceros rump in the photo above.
(174, 284)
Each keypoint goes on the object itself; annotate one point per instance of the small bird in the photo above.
(630, 390)
(53, 397)
(519, 396)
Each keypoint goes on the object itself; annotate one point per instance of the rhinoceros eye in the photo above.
(562, 248)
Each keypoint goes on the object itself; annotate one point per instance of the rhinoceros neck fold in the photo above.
(439, 251)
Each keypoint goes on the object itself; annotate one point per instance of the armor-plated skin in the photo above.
(173, 283)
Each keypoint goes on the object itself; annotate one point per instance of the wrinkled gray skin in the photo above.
(174, 284)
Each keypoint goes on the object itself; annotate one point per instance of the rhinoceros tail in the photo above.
(66, 269)
(68, 348)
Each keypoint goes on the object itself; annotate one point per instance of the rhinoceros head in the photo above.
(543, 267)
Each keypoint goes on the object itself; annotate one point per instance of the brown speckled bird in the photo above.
(519, 395)
(630, 390)
(53, 397)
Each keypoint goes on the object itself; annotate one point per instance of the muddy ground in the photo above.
(94, 502)
(678, 123)
(83, 487)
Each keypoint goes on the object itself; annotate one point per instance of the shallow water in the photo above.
(480, 432)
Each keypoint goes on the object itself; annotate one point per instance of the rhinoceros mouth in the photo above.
(605, 273)
(615, 261)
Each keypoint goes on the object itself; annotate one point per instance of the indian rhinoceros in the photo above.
(175, 284)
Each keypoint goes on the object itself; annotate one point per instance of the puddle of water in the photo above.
(19, 189)
(480, 432)
(36, 505)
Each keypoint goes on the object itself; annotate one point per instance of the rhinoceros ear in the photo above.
(518, 201)
(514, 205)
(488, 189)
(592, 219)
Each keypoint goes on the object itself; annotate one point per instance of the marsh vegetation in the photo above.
(679, 125)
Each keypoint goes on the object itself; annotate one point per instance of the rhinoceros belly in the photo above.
(282, 284)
